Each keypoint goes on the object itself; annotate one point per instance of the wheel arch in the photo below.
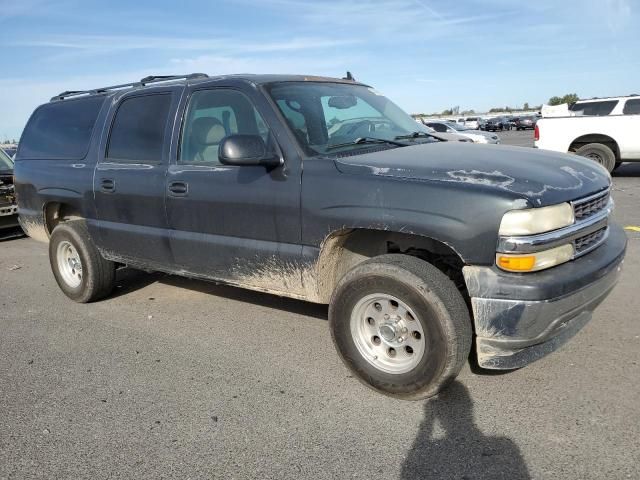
(343, 249)
(55, 212)
(601, 138)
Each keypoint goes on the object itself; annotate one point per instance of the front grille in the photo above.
(589, 206)
(590, 241)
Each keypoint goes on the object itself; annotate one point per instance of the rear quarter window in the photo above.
(61, 130)
(632, 107)
(594, 108)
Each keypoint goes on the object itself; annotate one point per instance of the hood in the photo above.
(541, 177)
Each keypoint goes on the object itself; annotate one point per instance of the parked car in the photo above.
(10, 150)
(473, 135)
(9, 226)
(404, 235)
(497, 123)
(523, 123)
(472, 123)
(449, 136)
(608, 139)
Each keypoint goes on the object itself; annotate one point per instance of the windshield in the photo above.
(5, 161)
(323, 115)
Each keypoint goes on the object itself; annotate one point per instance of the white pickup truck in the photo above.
(604, 129)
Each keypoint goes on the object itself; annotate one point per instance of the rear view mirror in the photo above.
(247, 150)
(343, 102)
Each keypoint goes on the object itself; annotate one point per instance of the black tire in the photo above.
(441, 311)
(98, 275)
(599, 153)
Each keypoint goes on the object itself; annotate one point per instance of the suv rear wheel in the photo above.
(600, 153)
(79, 269)
(401, 326)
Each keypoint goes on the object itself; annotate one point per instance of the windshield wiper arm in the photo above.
(418, 135)
(364, 140)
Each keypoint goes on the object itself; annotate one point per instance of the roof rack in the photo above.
(144, 81)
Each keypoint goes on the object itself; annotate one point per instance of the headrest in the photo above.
(207, 131)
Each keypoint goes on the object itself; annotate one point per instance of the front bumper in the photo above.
(520, 318)
(8, 215)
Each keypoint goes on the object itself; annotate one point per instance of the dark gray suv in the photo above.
(322, 189)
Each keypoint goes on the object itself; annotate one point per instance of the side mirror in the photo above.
(247, 150)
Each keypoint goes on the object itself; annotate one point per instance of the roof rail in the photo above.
(144, 81)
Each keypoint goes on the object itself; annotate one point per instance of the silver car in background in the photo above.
(477, 136)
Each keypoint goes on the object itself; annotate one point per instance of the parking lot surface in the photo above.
(518, 138)
(173, 378)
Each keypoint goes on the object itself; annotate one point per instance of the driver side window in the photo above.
(213, 115)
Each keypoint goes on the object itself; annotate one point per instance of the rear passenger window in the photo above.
(138, 131)
(61, 130)
(632, 107)
(213, 115)
(594, 108)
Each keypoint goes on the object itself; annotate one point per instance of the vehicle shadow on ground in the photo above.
(249, 296)
(462, 451)
(627, 170)
(129, 280)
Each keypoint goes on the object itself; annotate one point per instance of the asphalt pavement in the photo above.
(174, 378)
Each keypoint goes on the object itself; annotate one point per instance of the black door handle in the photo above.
(108, 185)
(179, 189)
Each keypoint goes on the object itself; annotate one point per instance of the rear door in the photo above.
(129, 180)
(239, 224)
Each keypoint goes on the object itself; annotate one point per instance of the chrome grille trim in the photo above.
(583, 208)
(587, 243)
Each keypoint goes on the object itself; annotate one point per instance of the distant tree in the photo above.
(447, 112)
(525, 106)
(568, 98)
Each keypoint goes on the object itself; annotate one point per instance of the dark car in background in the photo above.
(524, 123)
(9, 226)
(497, 123)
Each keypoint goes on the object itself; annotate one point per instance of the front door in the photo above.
(238, 224)
(129, 180)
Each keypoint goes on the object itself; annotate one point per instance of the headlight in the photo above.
(532, 262)
(537, 220)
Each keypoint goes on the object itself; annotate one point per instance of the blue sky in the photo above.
(426, 55)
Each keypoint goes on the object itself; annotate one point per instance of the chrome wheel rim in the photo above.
(69, 264)
(595, 156)
(387, 333)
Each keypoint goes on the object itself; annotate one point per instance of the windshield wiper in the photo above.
(365, 140)
(418, 135)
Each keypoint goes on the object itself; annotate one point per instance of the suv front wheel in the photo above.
(401, 326)
(79, 269)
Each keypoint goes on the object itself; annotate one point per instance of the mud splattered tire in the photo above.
(79, 269)
(600, 153)
(401, 326)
